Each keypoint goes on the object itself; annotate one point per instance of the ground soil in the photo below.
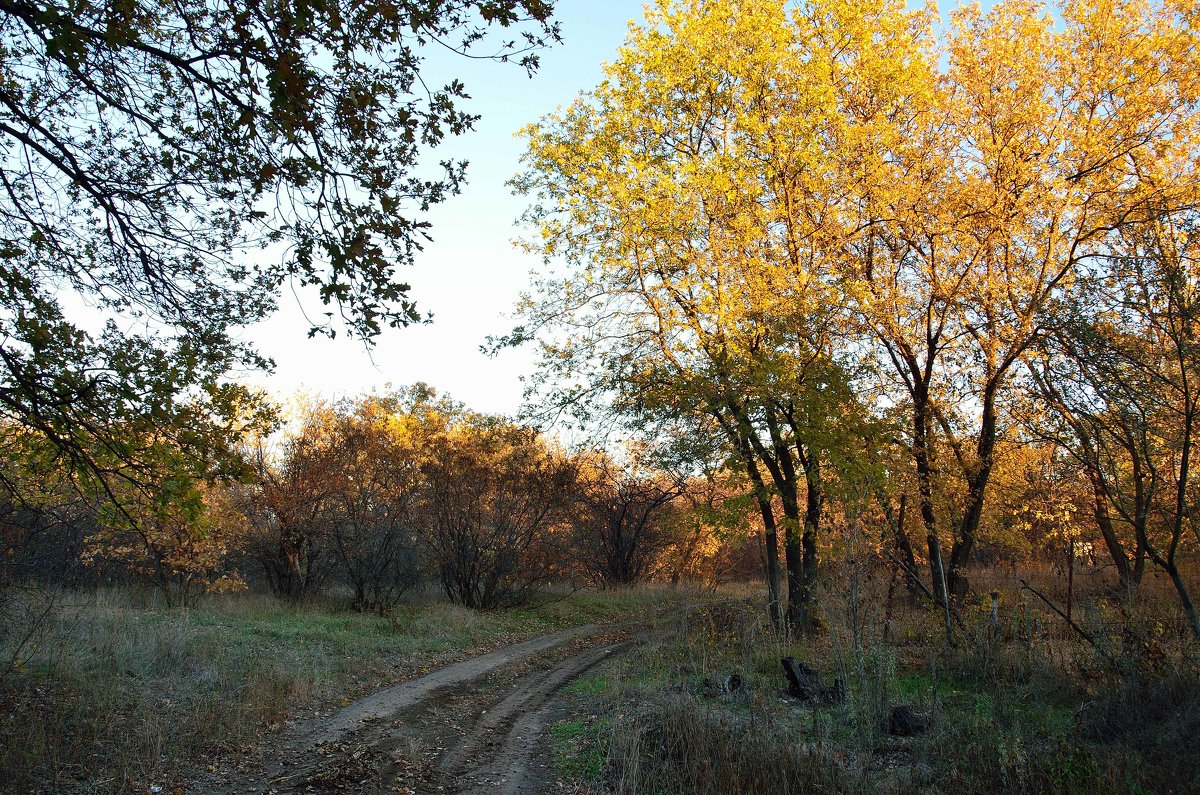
(474, 726)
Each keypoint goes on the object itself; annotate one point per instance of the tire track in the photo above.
(387, 702)
(494, 757)
(368, 724)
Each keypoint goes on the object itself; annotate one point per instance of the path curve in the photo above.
(390, 700)
(480, 739)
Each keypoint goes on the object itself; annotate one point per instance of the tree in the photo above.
(173, 527)
(1075, 424)
(492, 510)
(44, 517)
(710, 527)
(287, 507)
(1126, 374)
(370, 453)
(177, 164)
(178, 539)
(620, 526)
(984, 196)
(339, 497)
(764, 201)
(699, 290)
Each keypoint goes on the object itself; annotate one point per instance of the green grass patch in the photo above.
(1001, 719)
(589, 686)
(580, 747)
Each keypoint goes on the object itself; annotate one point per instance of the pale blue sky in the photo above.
(470, 276)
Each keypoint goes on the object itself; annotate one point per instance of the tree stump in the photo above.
(903, 722)
(804, 683)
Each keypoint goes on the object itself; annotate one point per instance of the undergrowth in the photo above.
(1027, 707)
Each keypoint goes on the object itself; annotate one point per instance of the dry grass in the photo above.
(113, 693)
(1032, 709)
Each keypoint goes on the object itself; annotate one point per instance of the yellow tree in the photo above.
(493, 510)
(620, 523)
(697, 288)
(176, 536)
(1126, 380)
(762, 194)
(367, 454)
(990, 189)
(340, 498)
(709, 529)
(376, 482)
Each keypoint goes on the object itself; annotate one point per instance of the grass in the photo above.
(1034, 710)
(578, 752)
(113, 694)
(588, 686)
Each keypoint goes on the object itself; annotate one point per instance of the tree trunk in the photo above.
(808, 542)
(771, 541)
(793, 559)
(1185, 599)
(1139, 561)
(779, 462)
(1116, 549)
(977, 481)
(964, 541)
(924, 464)
(908, 560)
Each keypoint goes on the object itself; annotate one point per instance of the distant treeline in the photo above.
(376, 493)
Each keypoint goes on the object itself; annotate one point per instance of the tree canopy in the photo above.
(169, 168)
(813, 221)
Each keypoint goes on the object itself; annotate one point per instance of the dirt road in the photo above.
(472, 727)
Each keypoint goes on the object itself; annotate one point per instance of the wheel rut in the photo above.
(495, 757)
(471, 727)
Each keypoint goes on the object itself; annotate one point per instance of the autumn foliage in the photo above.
(833, 271)
(871, 257)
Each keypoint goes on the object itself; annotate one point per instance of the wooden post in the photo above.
(937, 553)
(1070, 576)
(995, 615)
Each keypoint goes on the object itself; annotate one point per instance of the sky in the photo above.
(471, 276)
